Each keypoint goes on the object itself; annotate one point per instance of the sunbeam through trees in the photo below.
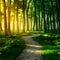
(29, 15)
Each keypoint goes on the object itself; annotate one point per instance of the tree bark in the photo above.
(5, 20)
(53, 15)
(45, 29)
(0, 17)
(9, 10)
(23, 17)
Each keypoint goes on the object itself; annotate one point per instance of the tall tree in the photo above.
(9, 14)
(56, 1)
(53, 15)
(39, 9)
(31, 18)
(43, 10)
(59, 16)
(27, 9)
(24, 15)
(14, 17)
(0, 17)
(17, 16)
(47, 12)
(35, 16)
(5, 20)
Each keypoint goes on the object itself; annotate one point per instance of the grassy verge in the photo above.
(11, 47)
(30, 33)
(49, 46)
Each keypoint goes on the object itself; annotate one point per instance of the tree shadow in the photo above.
(11, 47)
(49, 48)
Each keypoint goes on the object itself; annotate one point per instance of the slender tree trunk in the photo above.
(23, 17)
(0, 27)
(17, 20)
(51, 25)
(9, 10)
(45, 29)
(0, 17)
(34, 25)
(53, 15)
(57, 12)
(14, 18)
(31, 18)
(35, 17)
(5, 20)
(27, 21)
(27, 10)
(39, 19)
(41, 24)
(48, 15)
(59, 16)
(47, 23)
(17, 17)
(50, 19)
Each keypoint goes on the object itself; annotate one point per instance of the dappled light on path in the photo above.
(35, 46)
(32, 51)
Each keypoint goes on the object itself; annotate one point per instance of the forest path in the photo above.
(32, 51)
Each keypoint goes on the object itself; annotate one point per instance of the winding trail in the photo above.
(32, 51)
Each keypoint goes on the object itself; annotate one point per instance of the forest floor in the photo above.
(32, 51)
(49, 43)
(10, 47)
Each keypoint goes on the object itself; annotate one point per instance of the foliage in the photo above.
(49, 46)
(29, 15)
(11, 47)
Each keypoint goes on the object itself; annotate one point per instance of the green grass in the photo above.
(49, 46)
(11, 47)
(29, 33)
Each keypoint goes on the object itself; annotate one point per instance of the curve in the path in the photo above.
(32, 51)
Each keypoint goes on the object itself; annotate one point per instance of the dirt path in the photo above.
(32, 51)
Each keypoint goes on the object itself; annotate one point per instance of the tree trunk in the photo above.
(0, 17)
(5, 20)
(9, 10)
(17, 17)
(23, 17)
(35, 17)
(45, 29)
(39, 19)
(53, 15)
(14, 19)
(27, 20)
(59, 16)
(31, 18)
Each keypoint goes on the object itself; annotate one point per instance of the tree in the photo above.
(5, 20)
(53, 15)
(59, 16)
(23, 17)
(43, 8)
(0, 17)
(35, 17)
(9, 14)
(38, 10)
(17, 16)
(47, 13)
(27, 9)
(24, 5)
